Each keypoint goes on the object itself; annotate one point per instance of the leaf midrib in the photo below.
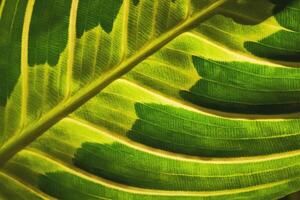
(29, 134)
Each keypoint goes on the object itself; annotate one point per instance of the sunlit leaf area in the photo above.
(150, 99)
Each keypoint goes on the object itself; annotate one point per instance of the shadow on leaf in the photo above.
(244, 87)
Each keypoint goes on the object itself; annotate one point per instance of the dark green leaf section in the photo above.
(294, 196)
(245, 87)
(92, 13)
(48, 33)
(121, 161)
(248, 12)
(11, 24)
(235, 87)
(10, 189)
(66, 184)
(60, 184)
(280, 5)
(251, 12)
(125, 165)
(136, 2)
(283, 45)
(178, 130)
(289, 17)
(55, 178)
(273, 46)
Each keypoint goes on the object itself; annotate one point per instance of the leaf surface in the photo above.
(149, 99)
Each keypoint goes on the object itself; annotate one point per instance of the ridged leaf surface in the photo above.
(149, 99)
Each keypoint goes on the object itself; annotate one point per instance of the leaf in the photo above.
(272, 46)
(148, 99)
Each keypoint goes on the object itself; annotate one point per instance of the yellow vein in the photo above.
(202, 110)
(71, 46)
(67, 144)
(125, 29)
(49, 159)
(156, 192)
(189, 7)
(165, 98)
(130, 116)
(253, 19)
(68, 164)
(240, 176)
(25, 186)
(239, 54)
(243, 38)
(24, 60)
(17, 143)
(1, 7)
(178, 156)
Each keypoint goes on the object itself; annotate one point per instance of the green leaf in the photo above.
(284, 44)
(164, 99)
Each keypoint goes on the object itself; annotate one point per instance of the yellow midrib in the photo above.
(24, 61)
(18, 142)
(71, 45)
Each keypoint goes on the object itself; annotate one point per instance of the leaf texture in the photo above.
(140, 99)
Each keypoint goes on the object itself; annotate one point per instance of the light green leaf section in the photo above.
(164, 99)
